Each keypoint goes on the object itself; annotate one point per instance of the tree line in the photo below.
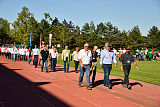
(66, 33)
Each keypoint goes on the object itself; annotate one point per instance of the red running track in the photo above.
(25, 86)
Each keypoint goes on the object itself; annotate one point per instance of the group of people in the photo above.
(41, 55)
(147, 54)
(87, 59)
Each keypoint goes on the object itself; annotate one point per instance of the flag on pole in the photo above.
(30, 40)
(40, 42)
(50, 39)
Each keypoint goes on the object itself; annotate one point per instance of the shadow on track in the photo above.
(17, 91)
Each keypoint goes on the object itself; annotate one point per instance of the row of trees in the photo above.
(66, 33)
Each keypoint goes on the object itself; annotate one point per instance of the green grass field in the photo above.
(149, 71)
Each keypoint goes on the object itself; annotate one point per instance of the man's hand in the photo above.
(121, 69)
(82, 65)
(115, 65)
(100, 66)
(137, 68)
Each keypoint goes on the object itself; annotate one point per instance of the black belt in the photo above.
(85, 64)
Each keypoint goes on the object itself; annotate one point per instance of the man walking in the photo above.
(54, 57)
(106, 62)
(35, 55)
(126, 60)
(84, 57)
(94, 64)
(66, 58)
(44, 55)
(76, 60)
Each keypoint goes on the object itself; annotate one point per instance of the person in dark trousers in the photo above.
(54, 58)
(126, 60)
(44, 55)
(66, 58)
(76, 60)
(35, 55)
(94, 64)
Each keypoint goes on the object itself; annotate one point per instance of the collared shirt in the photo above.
(35, 51)
(85, 56)
(127, 59)
(75, 54)
(14, 50)
(66, 53)
(9, 50)
(53, 54)
(23, 51)
(2, 49)
(107, 57)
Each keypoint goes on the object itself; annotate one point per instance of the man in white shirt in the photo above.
(54, 57)
(76, 60)
(84, 57)
(2, 50)
(23, 53)
(115, 51)
(35, 55)
(14, 53)
(20, 53)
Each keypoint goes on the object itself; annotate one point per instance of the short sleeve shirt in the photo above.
(127, 59)
(75, 54)
(85, 56)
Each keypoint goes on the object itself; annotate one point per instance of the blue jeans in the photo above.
(29, 60)
(13, 57)
(67, 65)
(107, 69)
(53, 63)
(35, 60)
(82, 70)
(46, 65)
(23, 57)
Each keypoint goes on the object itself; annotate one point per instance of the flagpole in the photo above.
(40, 41)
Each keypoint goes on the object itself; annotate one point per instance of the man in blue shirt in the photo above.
(106, 62)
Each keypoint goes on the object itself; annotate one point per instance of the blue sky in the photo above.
(125, 14)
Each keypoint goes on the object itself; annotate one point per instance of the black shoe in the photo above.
(109, 86)
(125, 85)
(89, 88)
(129, 86)
(79, 85)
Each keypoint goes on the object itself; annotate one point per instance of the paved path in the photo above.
(25, 86)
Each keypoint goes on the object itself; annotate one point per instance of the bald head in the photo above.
(106, 45)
